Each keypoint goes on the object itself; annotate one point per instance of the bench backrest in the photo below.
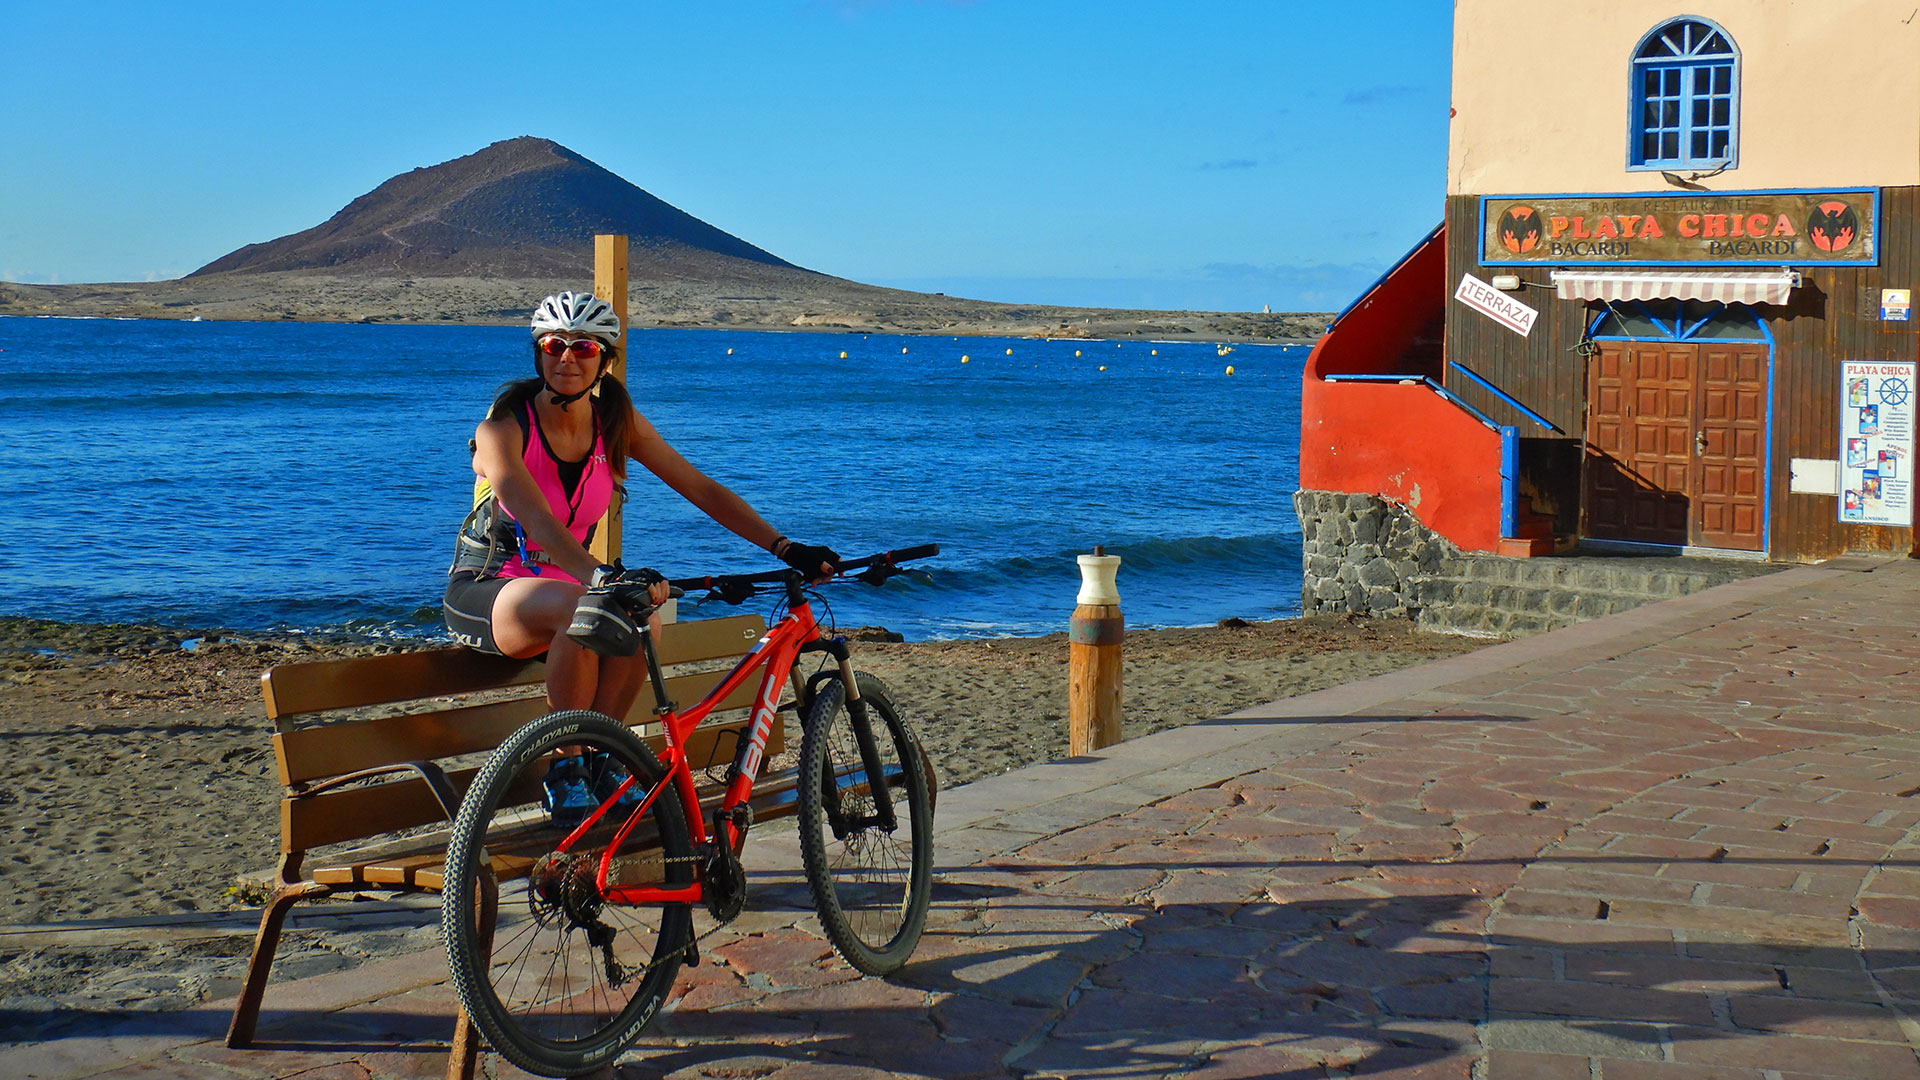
(438, 717)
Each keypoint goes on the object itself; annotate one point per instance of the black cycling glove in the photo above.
(645, 575)
(807, 558)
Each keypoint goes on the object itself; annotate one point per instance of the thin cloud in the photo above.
(1230, 163)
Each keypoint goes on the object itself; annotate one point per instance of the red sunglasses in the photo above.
(578, 348)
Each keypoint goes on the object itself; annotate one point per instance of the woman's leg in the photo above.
(621, 678)
(531, 615)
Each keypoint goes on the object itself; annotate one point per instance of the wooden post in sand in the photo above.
(610, 284)
(1093, 661)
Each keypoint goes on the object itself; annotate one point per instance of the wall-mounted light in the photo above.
(1506, 282)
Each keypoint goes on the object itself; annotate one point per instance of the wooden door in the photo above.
(1730, 440)
(1639, 441)
(1676, 443)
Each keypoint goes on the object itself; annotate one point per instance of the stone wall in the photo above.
(1363, 555)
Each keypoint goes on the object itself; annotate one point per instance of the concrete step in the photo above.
(1489, 595)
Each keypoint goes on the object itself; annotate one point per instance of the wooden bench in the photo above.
(377, 786)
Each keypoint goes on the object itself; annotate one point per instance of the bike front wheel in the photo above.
(866, 825)
(563, 978)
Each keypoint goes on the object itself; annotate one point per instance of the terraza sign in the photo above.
(1759, 228)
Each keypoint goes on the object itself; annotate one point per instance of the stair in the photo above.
(1492, 596)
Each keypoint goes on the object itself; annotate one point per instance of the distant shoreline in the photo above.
(1228, 339)
(828, 305)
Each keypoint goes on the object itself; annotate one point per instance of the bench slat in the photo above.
(336, 817)
(294, 689)
(422, 866)
(310, 754)
(773, 798)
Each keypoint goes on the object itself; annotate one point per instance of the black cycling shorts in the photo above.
(468, 609)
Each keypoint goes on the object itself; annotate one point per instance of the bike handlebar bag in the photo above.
(602, 625)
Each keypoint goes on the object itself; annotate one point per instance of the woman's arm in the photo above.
(716, 500)
(496, 456)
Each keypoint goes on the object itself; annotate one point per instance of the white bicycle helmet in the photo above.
(580, 313)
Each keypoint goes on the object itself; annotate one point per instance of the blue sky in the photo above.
(1206, 155)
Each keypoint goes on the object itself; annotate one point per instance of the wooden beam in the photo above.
(610, 284)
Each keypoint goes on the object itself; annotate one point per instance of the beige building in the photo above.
(1672, 289)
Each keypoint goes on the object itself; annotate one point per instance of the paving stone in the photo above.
(1672, 973)
(1525, 1065)
(1781, 903)
(1789, 1053)
(1801, 1016)
(1196, 978)
(1522, 901)
(1895, 911)
(1784, 928)
(1465, 999)
(1061, 1057)
(720, 1066)
(1506, 1031)
(1596, 935)
(1259, 1063)
(424, 1064)
(1600, 1001)
(1675, 1070)
(764, 953)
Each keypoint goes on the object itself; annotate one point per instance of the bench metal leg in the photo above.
(465, 1052)
(246, 1013)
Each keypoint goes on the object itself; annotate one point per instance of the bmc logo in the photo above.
(756, 741)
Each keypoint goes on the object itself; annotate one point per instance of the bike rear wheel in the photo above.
(564, 980)
(871, 877)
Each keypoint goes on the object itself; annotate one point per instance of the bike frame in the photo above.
(777, 653)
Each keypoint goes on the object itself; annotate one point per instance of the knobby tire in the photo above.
(870, 884)
(541, 991)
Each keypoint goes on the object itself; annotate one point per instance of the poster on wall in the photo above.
(1876, 443)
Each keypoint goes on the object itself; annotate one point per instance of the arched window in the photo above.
(1686, 98)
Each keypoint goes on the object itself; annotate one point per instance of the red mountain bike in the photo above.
(564, 942)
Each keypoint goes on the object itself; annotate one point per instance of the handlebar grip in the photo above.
(918, 551)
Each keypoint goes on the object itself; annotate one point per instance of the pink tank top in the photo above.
(579, 512)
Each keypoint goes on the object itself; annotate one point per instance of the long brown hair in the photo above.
(612, 409)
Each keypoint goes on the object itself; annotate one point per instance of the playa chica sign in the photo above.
(1766, 228)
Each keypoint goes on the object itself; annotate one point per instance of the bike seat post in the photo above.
(661, 706)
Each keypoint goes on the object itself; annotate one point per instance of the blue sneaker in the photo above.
(608, 775)
(565, 794)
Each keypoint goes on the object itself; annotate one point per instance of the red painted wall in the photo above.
(1374, 336)
(1405, 443)
(1400, 441)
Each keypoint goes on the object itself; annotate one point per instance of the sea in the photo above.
(308, 478)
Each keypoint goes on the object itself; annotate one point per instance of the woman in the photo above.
(549, 458)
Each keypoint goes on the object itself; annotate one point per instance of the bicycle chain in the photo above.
(692, 945)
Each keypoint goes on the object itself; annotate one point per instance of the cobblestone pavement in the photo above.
(1680, 843)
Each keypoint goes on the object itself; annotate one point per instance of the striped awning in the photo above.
(1726, 286)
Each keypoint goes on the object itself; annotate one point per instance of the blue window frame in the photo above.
(1685, 98)
(1678, 320)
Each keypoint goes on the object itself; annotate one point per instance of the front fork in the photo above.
(859, 719)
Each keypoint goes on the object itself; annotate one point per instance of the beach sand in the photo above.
(139, 775)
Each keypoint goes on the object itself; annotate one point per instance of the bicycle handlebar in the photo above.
(885, 559)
